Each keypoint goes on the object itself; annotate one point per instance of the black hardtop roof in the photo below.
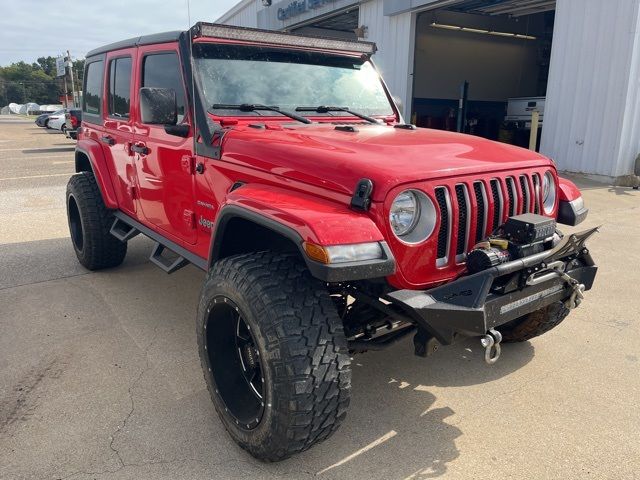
(134, 42)
(234, 32)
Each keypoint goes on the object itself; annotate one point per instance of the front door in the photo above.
(118, 128)
(164, 169)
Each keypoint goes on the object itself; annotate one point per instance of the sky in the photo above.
(35, 28)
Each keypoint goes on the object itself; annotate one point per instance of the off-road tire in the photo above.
(534, 324)
(300, 341)
(89, 224)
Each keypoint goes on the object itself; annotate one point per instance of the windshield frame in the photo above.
(395, 114)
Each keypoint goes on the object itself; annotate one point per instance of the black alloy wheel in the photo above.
(234, 361)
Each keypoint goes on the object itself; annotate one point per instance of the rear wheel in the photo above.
(63, 128)
(89, 224)
(274, 354)
(534, 324)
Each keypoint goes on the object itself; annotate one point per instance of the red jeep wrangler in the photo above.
(280, 165)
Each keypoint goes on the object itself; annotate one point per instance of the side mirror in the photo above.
(158, 106)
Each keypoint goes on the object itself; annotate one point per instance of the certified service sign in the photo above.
(298, 7)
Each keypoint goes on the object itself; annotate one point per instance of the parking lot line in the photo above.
(31, 150)
(37, 176)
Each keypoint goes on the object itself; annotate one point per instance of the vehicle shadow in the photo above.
(391, 395)
(142, 321)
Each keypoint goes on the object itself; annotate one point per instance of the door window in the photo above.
(93, 88)
(162, 70)
(120, 87)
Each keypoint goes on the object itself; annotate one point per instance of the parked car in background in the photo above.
(72, 122)
(43, 120)
(57, 121)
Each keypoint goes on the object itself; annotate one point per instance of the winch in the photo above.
(519, 237)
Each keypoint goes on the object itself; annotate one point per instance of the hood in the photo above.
(320, 155)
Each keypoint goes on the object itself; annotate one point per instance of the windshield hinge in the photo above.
(361, 199)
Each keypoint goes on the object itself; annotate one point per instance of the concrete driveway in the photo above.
(99, 375)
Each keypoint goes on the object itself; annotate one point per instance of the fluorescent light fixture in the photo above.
(271, 37)
(474, 30)
(486, 32)
(445, 26)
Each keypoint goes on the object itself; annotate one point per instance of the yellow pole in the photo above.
(535, 123)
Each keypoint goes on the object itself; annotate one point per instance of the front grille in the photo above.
(497, 204)
(491, 205)
(536, 193)
(464, 207)
(481, 213)
(526, 196)
(513, 196)
(445, 226)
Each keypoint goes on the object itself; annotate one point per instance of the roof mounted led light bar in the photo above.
(228, 32)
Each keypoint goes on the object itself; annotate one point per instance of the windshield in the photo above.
(289, 79)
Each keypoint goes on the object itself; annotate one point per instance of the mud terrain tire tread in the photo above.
(100, 248)
(303, 338)
(534, 324)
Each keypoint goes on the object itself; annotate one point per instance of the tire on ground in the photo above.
(534, 324)
(300, 341)
(89, 224)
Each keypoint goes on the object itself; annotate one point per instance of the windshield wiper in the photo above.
(323, 109)
(253, 107)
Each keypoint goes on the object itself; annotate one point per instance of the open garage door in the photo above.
(481, 66)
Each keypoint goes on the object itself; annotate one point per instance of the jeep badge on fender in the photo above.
(327, 226)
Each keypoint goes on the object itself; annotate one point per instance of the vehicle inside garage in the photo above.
(473, 58)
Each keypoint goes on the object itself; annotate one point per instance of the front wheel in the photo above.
(274, 354)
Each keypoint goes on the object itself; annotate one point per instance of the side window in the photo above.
(93, 88)
(119, 87)
(162, 70)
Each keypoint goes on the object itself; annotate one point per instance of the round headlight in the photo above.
(548, 192)
(412, 216)
(405, 212)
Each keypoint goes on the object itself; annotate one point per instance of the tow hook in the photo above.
(491, 343)
(577, 294)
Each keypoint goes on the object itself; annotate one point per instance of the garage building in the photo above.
(576, 62)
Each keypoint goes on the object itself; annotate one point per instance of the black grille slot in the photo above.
(443, 233)
(524, 185)
(511, 191)
(536, 193)
(463, 216)
(478, 189)
(497, 204)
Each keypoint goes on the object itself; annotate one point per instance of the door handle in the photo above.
(140, 148)
(108, 139)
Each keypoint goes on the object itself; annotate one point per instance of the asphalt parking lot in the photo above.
(100, 379)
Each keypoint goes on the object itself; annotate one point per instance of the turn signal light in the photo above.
(357, 252)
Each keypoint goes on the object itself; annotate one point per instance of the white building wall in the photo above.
(593, 101)
(244, 14)
(395, 37)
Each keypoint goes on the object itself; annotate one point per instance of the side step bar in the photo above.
(124, 228)
(123, 231)
(165, 263)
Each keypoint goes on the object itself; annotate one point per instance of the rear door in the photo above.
(164, 172)
(118, 125)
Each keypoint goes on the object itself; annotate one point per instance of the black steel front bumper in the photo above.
(473, 305)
